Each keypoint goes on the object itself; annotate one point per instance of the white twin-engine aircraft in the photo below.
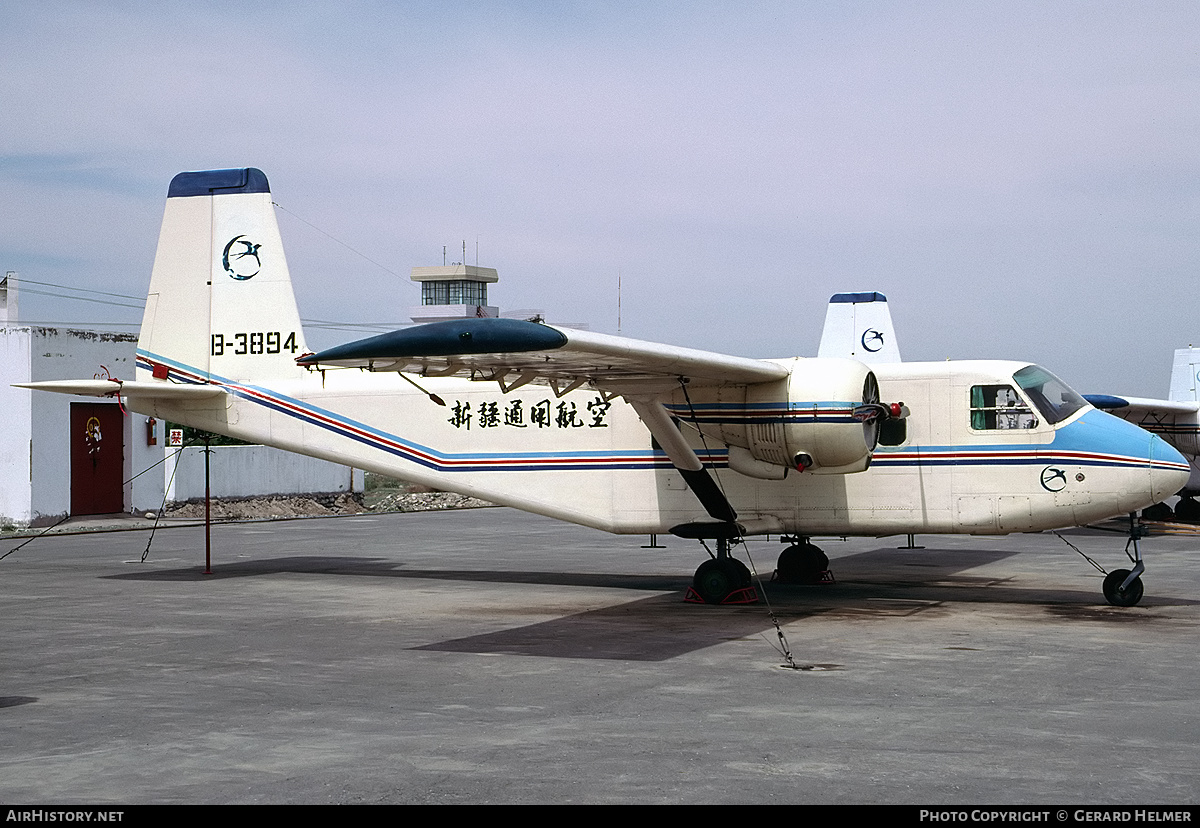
(1176, 420)
(618, 434)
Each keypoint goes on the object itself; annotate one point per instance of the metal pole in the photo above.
(207, 511)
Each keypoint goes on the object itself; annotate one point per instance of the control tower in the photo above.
(453, 291)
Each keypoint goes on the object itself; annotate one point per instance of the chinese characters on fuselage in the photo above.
(544, 414)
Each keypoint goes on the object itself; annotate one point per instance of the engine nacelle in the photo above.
(817, 431)
(805, 422)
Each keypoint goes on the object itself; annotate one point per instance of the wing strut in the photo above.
(656, 418)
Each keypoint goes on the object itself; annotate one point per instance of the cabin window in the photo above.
(995, 407)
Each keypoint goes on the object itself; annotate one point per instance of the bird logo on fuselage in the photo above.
(1053, 480)
(872, 340)
(241, 263)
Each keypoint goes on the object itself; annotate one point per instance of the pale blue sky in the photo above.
(1021, 179)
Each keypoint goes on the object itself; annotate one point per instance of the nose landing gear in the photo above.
(1123, 587)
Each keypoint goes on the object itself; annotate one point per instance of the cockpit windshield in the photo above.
(1053, 398)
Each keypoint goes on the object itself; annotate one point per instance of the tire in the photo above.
(715, 579)
(1187, 510)
(1159, 511)
(1118, 597)
(739, 572)
(801, 564)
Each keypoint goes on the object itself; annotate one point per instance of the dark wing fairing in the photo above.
(440, 339)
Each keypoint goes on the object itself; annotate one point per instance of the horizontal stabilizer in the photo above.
(112, 388)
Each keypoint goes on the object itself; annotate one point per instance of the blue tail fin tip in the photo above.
(216, 182)
(872, 296)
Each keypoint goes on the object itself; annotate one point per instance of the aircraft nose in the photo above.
(1169, 470)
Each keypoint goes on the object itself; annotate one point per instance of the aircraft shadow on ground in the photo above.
(388, 568)
(874, 588)
(877, 584)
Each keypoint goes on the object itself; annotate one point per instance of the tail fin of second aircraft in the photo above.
(859, 326)
(1184, 371)
(221, 303)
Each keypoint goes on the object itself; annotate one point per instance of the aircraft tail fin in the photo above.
(220, 304)
(859, 326)
(1184, 370)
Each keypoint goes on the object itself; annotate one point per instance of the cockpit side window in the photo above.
(1053, 398)
(999, 407)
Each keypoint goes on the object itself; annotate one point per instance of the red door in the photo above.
(97, 459)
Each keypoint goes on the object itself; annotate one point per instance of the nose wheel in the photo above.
(1123, 587)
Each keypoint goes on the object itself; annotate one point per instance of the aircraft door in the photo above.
(996, 437)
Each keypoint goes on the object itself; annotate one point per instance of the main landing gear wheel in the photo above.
(1159, 511)
(1187, 510)
(716, 580)
(1127, 597)
(802, 563)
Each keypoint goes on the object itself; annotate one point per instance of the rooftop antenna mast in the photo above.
(618, 300)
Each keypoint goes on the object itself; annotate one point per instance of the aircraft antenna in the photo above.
(331, 237)
(433, 397)
(618, 300)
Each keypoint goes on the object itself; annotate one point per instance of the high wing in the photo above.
(1136, 409)
(514, 352)
(646, 374)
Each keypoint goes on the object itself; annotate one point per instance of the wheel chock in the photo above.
(826, 577)
(745, 595)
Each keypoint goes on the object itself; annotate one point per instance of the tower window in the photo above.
(454, 292)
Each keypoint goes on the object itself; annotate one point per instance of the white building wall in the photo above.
(16, 435)
(247, 471)
(35, 438)
(62, 353)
